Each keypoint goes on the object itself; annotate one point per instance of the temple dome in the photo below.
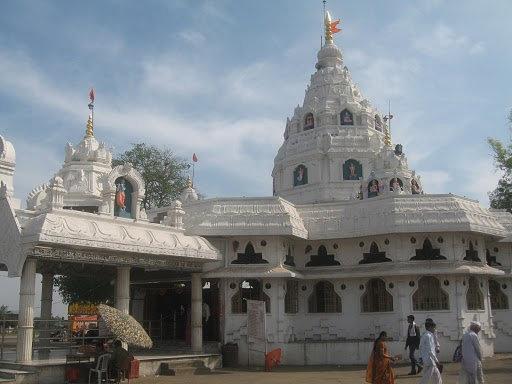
(7, 152)
(329, 56)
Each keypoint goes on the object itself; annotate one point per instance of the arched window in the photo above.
(346, 117)
(499, 299)
(324, 299)
(376, 298)
(322, 259)
(249, 256)
(373, 188)
(248, 290)
(429, 296)
(471, 253)
(374, 256)
(352, 170)
(123, 199)
(474, 295)
(378, 123)
(289, 259)
(428, 252)
(395, 184)
(491, 260)
(300, 175)
(291, 298)
(309, 121)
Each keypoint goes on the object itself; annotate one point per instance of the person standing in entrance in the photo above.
(431, 365)
(413, 343)
(471, 371)
(206, 317)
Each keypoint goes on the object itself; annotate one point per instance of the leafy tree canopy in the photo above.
(93, 288)
(501, 197)
(164, 174)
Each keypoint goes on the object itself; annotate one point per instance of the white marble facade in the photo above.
(347, 246)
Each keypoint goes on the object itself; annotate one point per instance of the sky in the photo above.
(219, 78)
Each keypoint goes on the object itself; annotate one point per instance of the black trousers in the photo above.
(414, 362)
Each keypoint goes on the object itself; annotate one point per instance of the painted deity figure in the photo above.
(353, 174)
(346, 118)
(121, 195)
(395, 185)
(373, 188)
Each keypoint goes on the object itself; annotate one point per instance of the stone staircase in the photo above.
(11, 375)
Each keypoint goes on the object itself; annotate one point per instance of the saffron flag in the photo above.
(91, 95)
(333, 26)
(194, 158)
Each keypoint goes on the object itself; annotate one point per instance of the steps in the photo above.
(8, 375)
(184, 367)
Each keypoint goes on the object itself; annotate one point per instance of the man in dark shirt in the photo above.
(413, 342)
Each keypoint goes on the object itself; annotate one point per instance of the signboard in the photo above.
(256, 321)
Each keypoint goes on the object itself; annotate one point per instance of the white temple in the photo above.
(348, 246)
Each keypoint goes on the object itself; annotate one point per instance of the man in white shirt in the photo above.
(431, 364)
(471, 371)
(436, 339)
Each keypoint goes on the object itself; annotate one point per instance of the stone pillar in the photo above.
(123, 289)
(26, 312)
(196, 313)
(122, 292)
(46, 312)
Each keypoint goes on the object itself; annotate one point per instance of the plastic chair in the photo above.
(101, 368)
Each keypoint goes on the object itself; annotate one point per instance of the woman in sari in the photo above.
(379, 366)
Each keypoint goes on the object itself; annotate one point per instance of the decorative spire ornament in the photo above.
(89, 131)
(331, 27)
(387, 130)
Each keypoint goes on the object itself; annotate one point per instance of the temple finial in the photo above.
(331, 27)
(89, 131)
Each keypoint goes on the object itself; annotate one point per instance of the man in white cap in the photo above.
(471, 371)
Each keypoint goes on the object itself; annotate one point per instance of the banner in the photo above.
(256, 331)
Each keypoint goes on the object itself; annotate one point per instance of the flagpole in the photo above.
(193, 172)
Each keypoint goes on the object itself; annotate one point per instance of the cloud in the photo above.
(193, 37)
(435, 181)
(444, 40)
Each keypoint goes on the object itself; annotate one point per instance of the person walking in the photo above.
(379, 369)
(436, 339)
(471, 370)
(413, 343)
(431, 365)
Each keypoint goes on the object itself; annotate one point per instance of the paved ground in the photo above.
(497, 371)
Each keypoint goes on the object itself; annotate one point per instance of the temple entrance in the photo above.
(167, 311)
(211, 305)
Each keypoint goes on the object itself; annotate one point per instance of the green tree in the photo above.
(164, 174)
(91, 288)
(501, 197)
(4, 310)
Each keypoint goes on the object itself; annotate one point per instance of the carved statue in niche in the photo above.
(396, 185)
(415, 187)
(374, 256)
(300, 176)
(398, 150)
(123, 198)
(346, 117)
(352, 170)
(309, 122)
(322, 259)
(373, 188)
(428, 252)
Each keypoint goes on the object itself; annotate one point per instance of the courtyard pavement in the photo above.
(497, 371)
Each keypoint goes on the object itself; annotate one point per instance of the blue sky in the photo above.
(220, 77)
